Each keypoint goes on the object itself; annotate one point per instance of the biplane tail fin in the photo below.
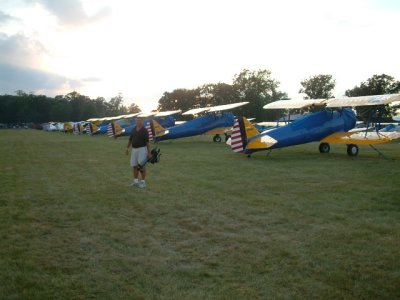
(68, 127)
(77, 128)
(155, 130)
(91, 129)
(114, 130)
(241, 132)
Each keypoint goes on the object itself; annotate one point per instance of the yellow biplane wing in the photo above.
(361, 138)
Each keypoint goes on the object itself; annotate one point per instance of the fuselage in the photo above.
(199, 126)
(166, 122)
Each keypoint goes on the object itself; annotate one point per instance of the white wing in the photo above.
(167, 113)
(196, 111)
(227, 106)
(293, 104)
(363, 100)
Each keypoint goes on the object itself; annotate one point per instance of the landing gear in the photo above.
(227, 136)
(217, 138)
(352, 150)
(324, 148)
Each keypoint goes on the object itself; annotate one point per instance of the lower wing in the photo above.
(361, 138)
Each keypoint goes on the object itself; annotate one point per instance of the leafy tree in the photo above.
(318, 87)
(60, 110)
(258, 88)
(133, 108)
(376, 85)
(100, 105)
(25, 108)
(115, 106)
(183, 99)
(217, 94)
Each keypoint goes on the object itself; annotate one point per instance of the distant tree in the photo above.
(318, 87)
(213, 94)
(183, 99)
(133, 108)
(115, 106)
(60, 110)
(376, 85)
(100, 105)
(258, 88)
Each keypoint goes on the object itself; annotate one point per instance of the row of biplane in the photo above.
(333, 121)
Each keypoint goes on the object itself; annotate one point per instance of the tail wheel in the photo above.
(352, 150)
(217, 138)
(324, 148)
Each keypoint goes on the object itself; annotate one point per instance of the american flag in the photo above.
(89, 129)
(149, 130)
(110, 130)
(236, 138)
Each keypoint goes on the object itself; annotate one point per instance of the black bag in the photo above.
(154, 158)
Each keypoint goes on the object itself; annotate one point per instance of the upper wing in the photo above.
(167, 113)
(363, 100)
(195, 111)
(293, 104)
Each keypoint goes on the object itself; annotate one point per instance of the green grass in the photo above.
(211, 224)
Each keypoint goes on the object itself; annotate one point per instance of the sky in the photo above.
(141, 49)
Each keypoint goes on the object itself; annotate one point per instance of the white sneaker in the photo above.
(133, 184)
(142, 185)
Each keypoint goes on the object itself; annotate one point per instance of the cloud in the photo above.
(71, 13)
(15, 78)
(20, 50)
(4, 18)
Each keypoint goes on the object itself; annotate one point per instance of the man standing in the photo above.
(139, 140)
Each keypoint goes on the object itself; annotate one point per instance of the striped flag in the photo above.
(89, 129)
(149, 130)
(110, 130)
(236, 138)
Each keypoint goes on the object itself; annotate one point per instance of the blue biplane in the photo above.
(326, 126)
(165, 118)
(214, 122)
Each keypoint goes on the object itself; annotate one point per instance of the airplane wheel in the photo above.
(324, 148)
(217, 138)
(352, 150)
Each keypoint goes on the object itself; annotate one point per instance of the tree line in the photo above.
(257, 87)
(30, 108)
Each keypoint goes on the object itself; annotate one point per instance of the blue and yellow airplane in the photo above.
(123, 128)
(325, 126)
(214, 122)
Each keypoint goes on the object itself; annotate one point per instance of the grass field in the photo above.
(211, 224)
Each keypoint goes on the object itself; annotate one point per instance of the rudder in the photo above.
(241, 132)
